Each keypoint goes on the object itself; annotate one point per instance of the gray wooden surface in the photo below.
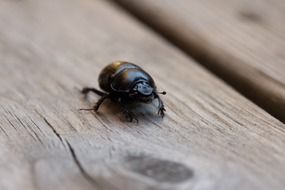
(241, 41)
(211, 137)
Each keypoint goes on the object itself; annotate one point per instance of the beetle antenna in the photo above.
(163, 92)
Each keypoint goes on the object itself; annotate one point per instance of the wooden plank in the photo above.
(211, 137)
(241, 41)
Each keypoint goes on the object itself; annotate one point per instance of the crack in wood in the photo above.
(80, 167)
(51, 127)
(4, 131)
(72, 152)
(29, 129)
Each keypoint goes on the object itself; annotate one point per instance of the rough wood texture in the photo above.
(241, 41)
(211, 137)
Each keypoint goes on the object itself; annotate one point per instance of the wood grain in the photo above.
(211, 137)
(241, 41)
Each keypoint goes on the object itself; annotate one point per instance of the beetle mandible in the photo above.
(125, 82)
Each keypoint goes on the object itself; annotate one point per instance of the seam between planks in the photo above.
(258, 91)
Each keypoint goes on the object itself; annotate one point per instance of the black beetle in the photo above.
(125, 82)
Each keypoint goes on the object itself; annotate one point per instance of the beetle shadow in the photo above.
(146, 112)
(143, 112)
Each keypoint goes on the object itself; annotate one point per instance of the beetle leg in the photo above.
(86, 90)
(98, 103)
(161, 108)
(130, 116)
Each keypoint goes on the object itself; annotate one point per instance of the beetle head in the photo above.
(142, 92)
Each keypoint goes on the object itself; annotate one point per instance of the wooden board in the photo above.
(241, 41)
(211, 137)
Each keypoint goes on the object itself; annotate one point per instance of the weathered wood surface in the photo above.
(241, 41)
(211, 137)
